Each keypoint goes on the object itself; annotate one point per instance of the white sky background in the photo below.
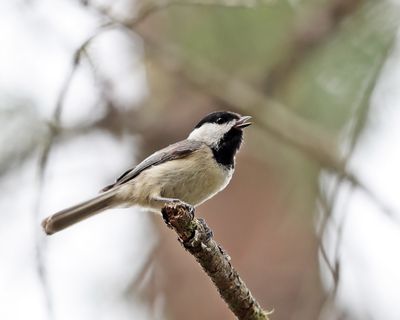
(90, 265)
(369, 286)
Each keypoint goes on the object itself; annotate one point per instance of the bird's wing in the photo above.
(174, 151)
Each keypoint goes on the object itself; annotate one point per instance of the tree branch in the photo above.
(196, 238)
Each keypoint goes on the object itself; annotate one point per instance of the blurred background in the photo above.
(311, 218)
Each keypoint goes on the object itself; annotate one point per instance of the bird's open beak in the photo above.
(243, 122)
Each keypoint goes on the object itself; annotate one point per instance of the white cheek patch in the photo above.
(210, 133)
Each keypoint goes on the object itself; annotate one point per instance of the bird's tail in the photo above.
(67, 217)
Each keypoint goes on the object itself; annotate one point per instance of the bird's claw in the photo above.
(187, 207)
(176, 204)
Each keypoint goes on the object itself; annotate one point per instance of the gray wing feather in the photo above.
(174, 151)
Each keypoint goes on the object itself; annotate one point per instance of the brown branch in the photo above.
(196, 238)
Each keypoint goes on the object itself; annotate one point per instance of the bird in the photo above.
(188, 172)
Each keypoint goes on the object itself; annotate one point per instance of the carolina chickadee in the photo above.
(188, 172)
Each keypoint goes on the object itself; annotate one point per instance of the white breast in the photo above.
(193, 179)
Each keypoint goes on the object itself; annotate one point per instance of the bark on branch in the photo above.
(196, 238)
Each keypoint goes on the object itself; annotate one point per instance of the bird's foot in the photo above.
(176, 205)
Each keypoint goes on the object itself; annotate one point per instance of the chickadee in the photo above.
(188, 172)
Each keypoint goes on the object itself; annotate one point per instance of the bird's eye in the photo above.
(220, 120)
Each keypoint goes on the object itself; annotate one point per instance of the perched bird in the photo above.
(188, 172)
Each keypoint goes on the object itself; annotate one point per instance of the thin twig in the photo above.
(196, 238)
(39, 240)
(54, 125)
